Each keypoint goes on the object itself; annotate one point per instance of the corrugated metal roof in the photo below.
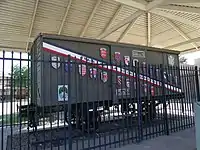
(21, 21)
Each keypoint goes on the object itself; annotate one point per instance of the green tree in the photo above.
(183, 60)
(20, 76)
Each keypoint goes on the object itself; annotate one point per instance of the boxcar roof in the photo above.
(94, 41)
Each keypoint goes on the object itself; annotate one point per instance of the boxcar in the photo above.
(75, 71)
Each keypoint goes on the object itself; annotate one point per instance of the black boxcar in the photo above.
(69, 70)
(108, 61)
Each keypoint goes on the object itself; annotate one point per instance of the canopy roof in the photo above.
(169, 24)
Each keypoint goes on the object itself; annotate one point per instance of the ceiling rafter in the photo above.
(18, 38)
(90, 18)
(141, 4)
(183, 43)
(180, 32)
(111, 20)
(65, 17)
(136, 4)
(12, 48)
(148, 29)
(175, 17)
(121, 24)
(154, 4)
(32, 22)
(183, 1)
(188, 51)
(181, 9)
(127, 29)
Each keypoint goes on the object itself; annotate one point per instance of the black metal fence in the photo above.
(75, 105)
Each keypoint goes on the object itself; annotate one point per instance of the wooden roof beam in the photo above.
(180, 32)
(65, 17)
(121, 24)
(127, 29)
(183, 43)
(181, 9)
(90, 18)
(148, 29)
(139, 4)
(175, 17)
(111, 21)
(32, 22)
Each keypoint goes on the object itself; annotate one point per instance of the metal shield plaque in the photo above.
(171, 60)
(82, 70)
(117, 56)
(103, 52)
(139, 54)
(104, 76)
(93, 73)
(55, 62)
(68, 68)
(126, 60)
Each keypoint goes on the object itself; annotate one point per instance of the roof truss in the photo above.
(148, 29)
(65, 16)
(111, 21)
(32, 22)
(136, 4)
(181, 8)
(175, 17)
(121, 24)
(127, 29)
(90, 18)
(180, 32)
(184, 43)
(159, 3)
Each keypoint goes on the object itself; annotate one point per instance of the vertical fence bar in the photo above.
(69, 106)
(132, 100)
(191, 73)
(28, 108)
(139, 103)
(20, 97)
(2, 97)
(122, 104)
(68, 68)
(197, 83)
(186, 72)
(164, 100)
(11, 103)
(78, 102)
(184, 87)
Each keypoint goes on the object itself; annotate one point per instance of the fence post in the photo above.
(197, 83)
(163, 92)
(139, 102)
(69, 104)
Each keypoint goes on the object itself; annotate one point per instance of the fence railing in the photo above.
(79, 105)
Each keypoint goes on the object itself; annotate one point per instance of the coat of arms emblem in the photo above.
(119, 80)
(117, 56)
(103, 53)
(104, 76)
(82, 70)
(127, 83)
(93, 72)
(55, 62)
(126, 60)
(68, 66)
(171, 60)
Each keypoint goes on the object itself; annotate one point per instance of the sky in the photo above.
(191, 57)
(8, 63)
